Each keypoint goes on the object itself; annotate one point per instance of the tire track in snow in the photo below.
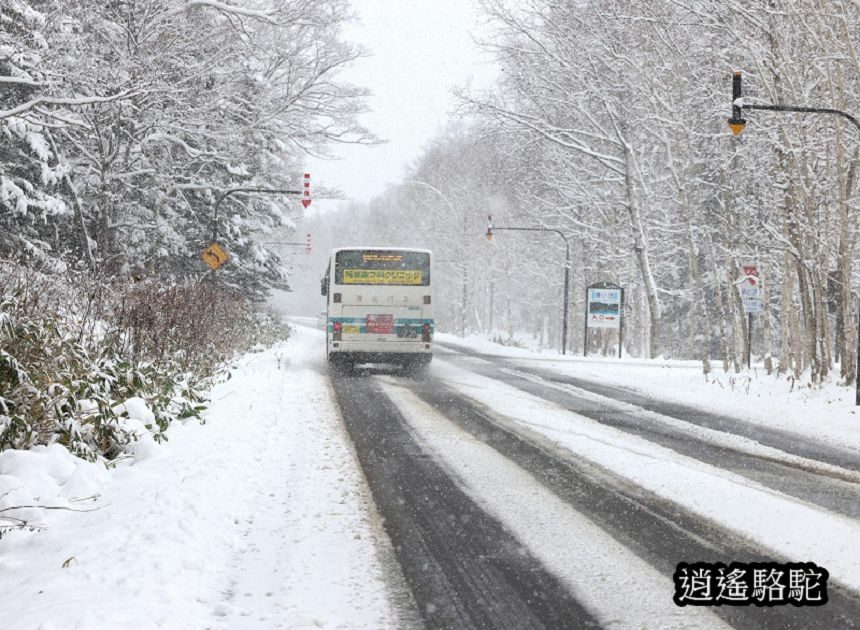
(659, 530)
(776, 438)
(829, 486)
(617, 586)
(464, 569)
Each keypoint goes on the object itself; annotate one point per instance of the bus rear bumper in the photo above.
(383, 352)
(349, 346)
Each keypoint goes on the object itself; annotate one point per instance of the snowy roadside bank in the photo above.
(260, 518)
(826, 413)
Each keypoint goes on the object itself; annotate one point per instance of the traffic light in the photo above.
(736, 122)
(489, 233)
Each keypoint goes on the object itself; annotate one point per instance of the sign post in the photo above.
(604, 308)
(751, 296)
(857, 365)
(306, 190)
(214, 255)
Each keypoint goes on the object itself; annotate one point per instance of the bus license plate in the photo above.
(380, 324)
(407, 332)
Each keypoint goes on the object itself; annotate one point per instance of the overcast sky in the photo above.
(418, 51)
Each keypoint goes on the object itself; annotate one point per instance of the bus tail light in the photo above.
(425, 332)
(336, 329)
(335, 297)
(427, 299)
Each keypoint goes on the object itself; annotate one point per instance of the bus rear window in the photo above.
(382, 267)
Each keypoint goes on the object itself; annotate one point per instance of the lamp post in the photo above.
(566, 239)
(737, 124)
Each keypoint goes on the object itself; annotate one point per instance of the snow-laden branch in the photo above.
(68, 102)
(21, 81)
(173, 139)
(557, 135)
(222, 7)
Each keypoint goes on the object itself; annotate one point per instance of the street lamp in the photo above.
(737, 123)
(489, 235)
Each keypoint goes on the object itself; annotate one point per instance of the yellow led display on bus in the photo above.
(368, 257)
(382, 276)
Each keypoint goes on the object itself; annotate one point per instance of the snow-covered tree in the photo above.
(30, 172)
(155, 109)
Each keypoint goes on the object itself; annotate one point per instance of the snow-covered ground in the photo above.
(261, 517)
(258, 519)
(825, 413)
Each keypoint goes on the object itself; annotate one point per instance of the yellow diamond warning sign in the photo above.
(214, 256)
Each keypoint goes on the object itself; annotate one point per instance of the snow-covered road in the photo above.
(509, 499)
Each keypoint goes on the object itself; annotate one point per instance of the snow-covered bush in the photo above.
(53, 389)
(71, 355)
(206, 324)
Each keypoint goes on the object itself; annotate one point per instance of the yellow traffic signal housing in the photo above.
(736, 122)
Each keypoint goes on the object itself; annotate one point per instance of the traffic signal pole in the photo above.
(234, 191)
(737, 123)
(566, 239)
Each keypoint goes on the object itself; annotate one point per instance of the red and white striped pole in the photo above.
(306, 191)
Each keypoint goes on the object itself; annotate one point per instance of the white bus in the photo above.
(380, 307)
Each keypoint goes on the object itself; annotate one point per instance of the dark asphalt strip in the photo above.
(829, 491)
(464, 569)
(781, 440)
(659, 531)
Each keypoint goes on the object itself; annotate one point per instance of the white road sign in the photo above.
(752, 305)
(604, 308)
